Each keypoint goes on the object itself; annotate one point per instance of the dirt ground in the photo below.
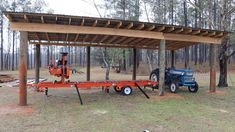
(61, 111)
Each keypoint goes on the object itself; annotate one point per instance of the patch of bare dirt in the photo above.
(218, 92)
(6, 78)
(16, 109)
(166, 96)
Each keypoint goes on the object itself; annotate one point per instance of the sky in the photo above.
(73, 7)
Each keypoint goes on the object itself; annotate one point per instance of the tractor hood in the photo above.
(180, 71)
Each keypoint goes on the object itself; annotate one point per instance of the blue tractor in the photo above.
(174, 78)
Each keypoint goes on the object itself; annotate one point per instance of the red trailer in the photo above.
(62, 70)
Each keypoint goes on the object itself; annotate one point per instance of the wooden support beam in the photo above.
(141, 26)
(134, 64)
(37, 63)
(151, 28)
(130, 25)
(56, 28)
(48, 38)
(94, 39)
(162, 67)
(172, 58)
(85, 38)
(88, 55)
(23, 68)
(212, 68)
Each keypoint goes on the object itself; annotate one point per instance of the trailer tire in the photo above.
(154, 76)
(193, 89)
(173, 86)
(116, 89)
(126, 90)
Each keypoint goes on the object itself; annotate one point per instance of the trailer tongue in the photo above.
(60, 69)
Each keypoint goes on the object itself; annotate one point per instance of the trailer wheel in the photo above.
(126, 90)
(116, 89)
(193, 89)
(154, 76)
(173, 87)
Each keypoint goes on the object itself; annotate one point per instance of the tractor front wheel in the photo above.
(193, 89)
(126, 90)
(173, 87)
(154, 76)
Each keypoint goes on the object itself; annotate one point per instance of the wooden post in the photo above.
(134, 64)
(88, 63)
(172, 58)
(162, 67)
(37, 63)
(212, 68)
(23, 68)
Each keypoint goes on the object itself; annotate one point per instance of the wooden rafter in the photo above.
(107, 24)
(150, 28)
(119, 24)
(161, 28)
(112, 39)
(82, 22)
(219, 34)
(103, 39)
(188, 31)
(42, 19)
(136, 41)
(170, 29)
(76, 38)
(120, 40)
(179, 30)
(26, 18)
(94, 39)
(128, 40)
(212, 34)
(204, 33)
(94, 23)
(130, 25)
(196, 32)
(141, 26)
(85, 38)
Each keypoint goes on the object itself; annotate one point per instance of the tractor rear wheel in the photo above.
(193, 89)
(126, 90)
(173, 87)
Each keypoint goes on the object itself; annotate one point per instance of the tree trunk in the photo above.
(2, 41)
(223, 73)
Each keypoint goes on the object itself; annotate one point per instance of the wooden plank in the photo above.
(88, 55)
(76, 38)
(23, 68)
(26, 18)
(179, 30)
(212, 88)
(93, 45)
(42, 19)
(94, 39)
(134, 63)
(112, 39)
(56, 28)
(103, 39)
(212, 34)
(120, 40)
(82, 22)
(204, 33)
(188, 31)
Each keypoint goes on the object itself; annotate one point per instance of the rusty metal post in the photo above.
(37, 63)
(88, 63)
(134, 64)
(212, 68)
(172, 58)
(162, 67)
(23, 68)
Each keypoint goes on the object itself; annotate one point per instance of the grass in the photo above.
(61, 111)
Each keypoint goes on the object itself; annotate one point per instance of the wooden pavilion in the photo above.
(65, 30)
